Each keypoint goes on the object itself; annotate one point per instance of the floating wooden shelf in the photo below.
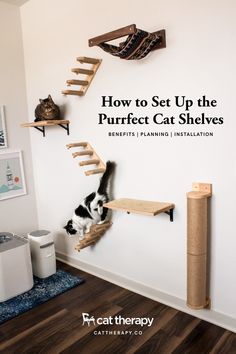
(137, 45)
(48, 123)
(96, 232)
(197, 240)
(88, 79)
(94, 158)
(141, 207)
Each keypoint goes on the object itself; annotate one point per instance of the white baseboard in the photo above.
(211, 316)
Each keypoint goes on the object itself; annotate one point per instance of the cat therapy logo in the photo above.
(117, 320)
(88, 320)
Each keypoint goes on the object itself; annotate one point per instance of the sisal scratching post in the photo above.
(197, 231)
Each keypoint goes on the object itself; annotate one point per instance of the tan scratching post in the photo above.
(85, 83)
(197, 232)
(94, 159)
(96, 232)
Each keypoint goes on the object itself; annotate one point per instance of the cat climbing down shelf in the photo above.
(91, 211)
(95, 233)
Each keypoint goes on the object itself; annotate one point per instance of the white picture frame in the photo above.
(3, 131)
(12, 178)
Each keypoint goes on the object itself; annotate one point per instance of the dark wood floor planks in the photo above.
(56, 326)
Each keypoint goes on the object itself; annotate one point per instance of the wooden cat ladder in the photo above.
(96, 232)
(90, 73)
(94, 158)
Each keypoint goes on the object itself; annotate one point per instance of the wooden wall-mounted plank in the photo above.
(106, 37)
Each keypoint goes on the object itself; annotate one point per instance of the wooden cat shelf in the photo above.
(142, 207)
(85, 83)
(87, 150)
(137, 45)
(48, 123)
(96, 232)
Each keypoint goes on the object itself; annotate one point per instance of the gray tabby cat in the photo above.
(46, 110)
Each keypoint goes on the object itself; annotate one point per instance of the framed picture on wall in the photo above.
(3, 132)
(12, 179)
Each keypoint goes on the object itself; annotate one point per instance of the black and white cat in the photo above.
(91, 210)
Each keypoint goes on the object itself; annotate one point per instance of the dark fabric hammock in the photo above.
(137, 45)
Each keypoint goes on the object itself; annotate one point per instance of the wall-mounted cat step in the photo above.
(85, 83)
(96, 232)
(142, 207)
(94, 159)
(48, 123)
(137, 45)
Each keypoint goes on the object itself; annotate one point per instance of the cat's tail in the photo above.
(104, 181)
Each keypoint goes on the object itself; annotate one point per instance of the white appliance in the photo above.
(42, 253)
(15, 266)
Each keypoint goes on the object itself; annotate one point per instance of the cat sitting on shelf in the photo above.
(91, 210)
(46, 110)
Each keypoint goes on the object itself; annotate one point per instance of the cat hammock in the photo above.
(138, 44)
(96, 232)
(94, 158)
(84, 84)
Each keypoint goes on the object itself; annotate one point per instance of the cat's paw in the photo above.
(100, 210)
(81, 234)
(101, 222)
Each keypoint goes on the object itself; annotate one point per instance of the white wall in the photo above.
(17, 214)
(199, 60)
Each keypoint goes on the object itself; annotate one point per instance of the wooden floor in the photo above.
(56, 326)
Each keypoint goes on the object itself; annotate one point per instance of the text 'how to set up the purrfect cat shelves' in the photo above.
(181, 106)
